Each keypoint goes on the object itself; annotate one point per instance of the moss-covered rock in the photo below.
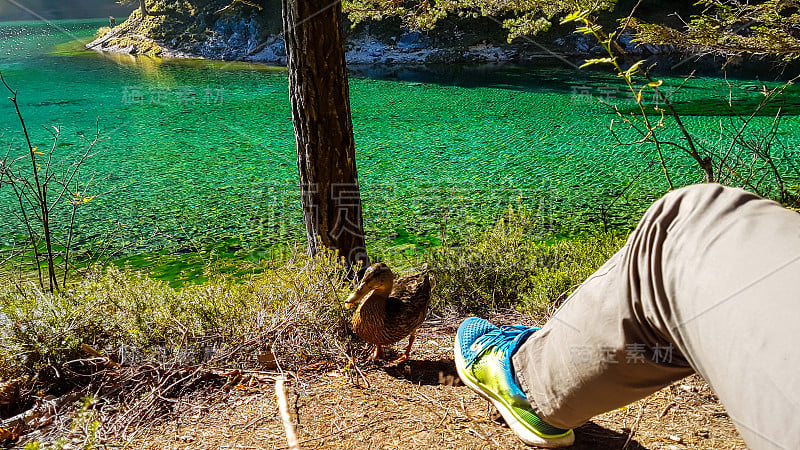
(102, 32)
(136, 45)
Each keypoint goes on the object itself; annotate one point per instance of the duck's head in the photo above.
(378, 277)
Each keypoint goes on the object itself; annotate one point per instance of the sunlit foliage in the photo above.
(728, 27)
(520, 17)
(771, 27)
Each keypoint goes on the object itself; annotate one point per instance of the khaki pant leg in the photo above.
(709, 281)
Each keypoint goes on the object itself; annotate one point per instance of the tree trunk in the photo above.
(143, 5)
(320, 98)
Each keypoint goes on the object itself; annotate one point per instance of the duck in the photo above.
(389, 308)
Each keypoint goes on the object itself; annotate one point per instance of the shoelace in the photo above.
(500, 338)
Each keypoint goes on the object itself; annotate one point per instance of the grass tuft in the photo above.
(135, 319)
(506, 267)
(292, 308)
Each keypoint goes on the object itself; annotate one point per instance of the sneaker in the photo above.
(483, 361)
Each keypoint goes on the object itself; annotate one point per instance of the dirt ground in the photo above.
(422, 404)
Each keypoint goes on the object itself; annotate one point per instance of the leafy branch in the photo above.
(714, 162)
(730, 27)
(519, 17)
(39, 190)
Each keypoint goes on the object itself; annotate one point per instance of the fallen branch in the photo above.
(90, 350)
(41, 415)
(283, 407)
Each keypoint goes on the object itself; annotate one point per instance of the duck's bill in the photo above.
(351, 300)
(356, 296)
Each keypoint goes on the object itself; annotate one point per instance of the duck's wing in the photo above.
(408, 303)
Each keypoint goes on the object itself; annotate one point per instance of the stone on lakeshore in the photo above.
(413, 40)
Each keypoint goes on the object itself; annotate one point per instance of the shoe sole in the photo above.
(527, 435)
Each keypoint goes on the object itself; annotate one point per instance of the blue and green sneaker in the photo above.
(483, 361)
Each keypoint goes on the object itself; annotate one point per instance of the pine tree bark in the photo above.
(320, 99)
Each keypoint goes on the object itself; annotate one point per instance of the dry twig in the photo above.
(283, 407)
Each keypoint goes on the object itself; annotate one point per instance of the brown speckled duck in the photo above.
(389, 309)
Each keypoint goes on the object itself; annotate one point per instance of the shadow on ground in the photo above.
(427, 373)
(443, 372)
(594, 437)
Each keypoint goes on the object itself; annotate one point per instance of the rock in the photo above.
(582, 43)
(250, 35)
(279, 48)
(598, 50)
(576, 43)
(413, 40)
(626, 42)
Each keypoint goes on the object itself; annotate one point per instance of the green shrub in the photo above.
(135, 319)
(507, 267)
(294, 306)
(571, 262)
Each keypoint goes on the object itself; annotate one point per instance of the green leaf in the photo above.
(590, 29)
(634, 68)
(590, 62)
(575, 16)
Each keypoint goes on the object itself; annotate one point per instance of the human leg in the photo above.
(708, 283)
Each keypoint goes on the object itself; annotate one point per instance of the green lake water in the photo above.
(203, 151)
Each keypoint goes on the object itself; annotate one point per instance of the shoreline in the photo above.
(366, 53)
(251, 38)
(362, 50)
